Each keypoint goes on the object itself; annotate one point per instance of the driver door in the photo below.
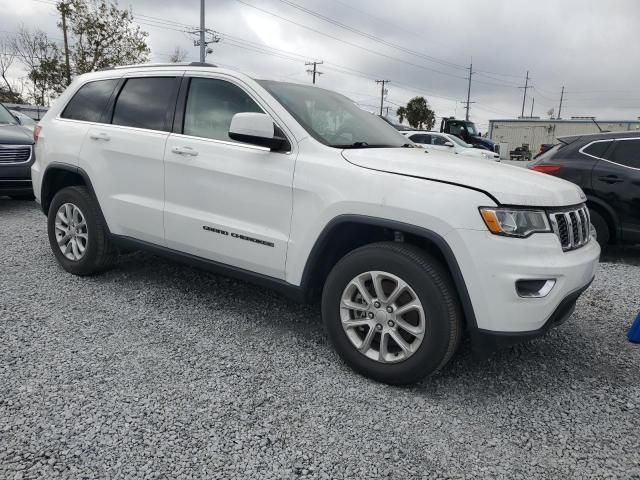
(225, 201)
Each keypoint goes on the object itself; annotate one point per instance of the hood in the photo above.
(15, 135)
(508, 184)
(483, 140)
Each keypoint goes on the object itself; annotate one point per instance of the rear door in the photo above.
(226, 201)
(124, 156)
(616, 180)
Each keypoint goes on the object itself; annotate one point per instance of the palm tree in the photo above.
(402, 113)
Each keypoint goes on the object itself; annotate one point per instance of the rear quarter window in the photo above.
(597, 149)
(90, 101)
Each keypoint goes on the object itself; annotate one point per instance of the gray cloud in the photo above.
(588, 46)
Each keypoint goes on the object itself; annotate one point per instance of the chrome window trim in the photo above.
(30, 147)
(604, 159)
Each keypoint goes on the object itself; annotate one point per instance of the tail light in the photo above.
(545, 168)
(36, 132)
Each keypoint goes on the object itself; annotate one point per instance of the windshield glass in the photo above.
(459, 142)
(24, 119)
(6, 117)
(471, 128)
(332, 118)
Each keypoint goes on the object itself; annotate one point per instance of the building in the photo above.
(534, 131)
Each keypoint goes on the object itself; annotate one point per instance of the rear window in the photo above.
(549, 153)
(89, 103)
(145, 103)
(597, 149)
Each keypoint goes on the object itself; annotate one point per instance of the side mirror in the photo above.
(449, 144)
(256, 129)
(16, 119)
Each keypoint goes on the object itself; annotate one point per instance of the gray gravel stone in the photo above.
(157, 370)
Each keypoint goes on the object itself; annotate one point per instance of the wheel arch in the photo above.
(60, 175)
(607, 213)
(348, 232)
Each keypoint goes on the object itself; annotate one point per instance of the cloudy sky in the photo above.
(422, 46)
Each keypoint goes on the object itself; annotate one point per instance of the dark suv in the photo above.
(607, 168)
(16, 157)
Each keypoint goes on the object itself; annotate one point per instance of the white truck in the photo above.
(294, 187)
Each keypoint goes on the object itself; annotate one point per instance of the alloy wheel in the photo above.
(71, 231)
(382, 316)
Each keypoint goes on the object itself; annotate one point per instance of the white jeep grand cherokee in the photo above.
(295, 187)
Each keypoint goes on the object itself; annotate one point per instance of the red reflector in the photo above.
(36, 132)
(545, 168)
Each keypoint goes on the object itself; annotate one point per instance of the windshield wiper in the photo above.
(363, 145)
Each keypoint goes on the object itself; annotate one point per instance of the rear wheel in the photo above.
(77, 234)
(391, 312)
(603, 235)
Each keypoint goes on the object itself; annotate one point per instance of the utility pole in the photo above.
(203, 44)
(382, 92)
(201, 32)
(63, 8)
(314, 71)
(524, 98)
(468, 103)
(533, 101)
(560, 107)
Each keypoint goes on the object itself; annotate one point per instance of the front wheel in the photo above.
(391, 312)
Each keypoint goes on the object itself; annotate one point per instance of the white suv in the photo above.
(294, 187)
(448, 143)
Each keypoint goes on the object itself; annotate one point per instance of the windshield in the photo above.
(24, 119)
(6, 117)
(459, 142)
(471, 128)
(332, 118)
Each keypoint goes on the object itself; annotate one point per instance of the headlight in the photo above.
(515, 222)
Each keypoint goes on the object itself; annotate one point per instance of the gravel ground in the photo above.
(157, 370)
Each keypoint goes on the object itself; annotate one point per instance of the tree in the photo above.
(103, 36)
(418, 113)
(8, 91)
(179, 55)
(401, 112)
(42, 59)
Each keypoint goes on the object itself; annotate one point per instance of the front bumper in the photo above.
(15, 179)
(491, 265)
(485, 341)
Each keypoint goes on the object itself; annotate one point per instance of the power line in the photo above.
(370, 36)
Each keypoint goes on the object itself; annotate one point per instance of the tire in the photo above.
(603, 235)
(431, 285)
(98, 254)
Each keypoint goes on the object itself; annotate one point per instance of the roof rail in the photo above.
(148, 65)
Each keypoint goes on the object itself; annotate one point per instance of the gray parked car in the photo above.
(16, 157)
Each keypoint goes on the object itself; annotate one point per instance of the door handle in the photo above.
(610, 179)
(185, 151)
(100, 136)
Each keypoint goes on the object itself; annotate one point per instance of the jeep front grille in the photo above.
(572, 227)
(11, 154)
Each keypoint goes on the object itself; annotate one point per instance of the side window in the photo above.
(597, 149)
(438, 140)
(627, 153)
(90, 100)
(211, 104)
(145, 103)
(418, 138)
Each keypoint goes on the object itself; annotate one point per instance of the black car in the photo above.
(16, 157)
(607, 168)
